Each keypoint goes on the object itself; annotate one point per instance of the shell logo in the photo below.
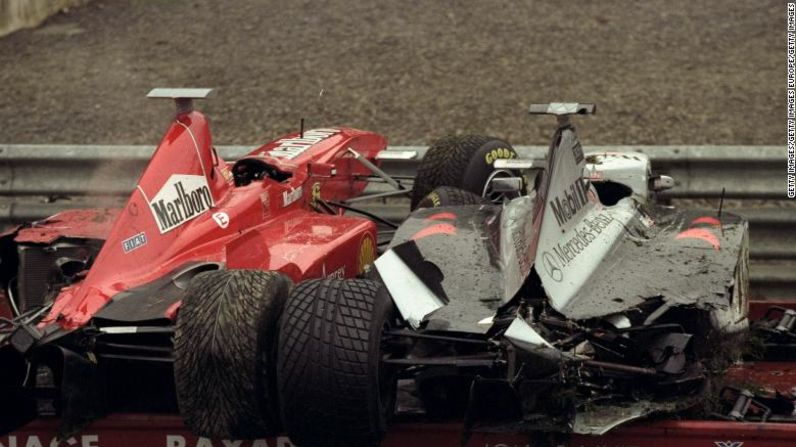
(367, 253)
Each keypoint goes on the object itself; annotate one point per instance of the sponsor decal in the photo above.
(498, 153)
(192, 441)
(577, 151)
(182, 198)
(337, 274)
(222, 219)
(42, 441)
(227, 174)
(435, 199)
(729, 443)
(134, 242)
(567, 205)
(584, 235)
(520, 240)
(265, 201)
(290, 148)
(367, 253)
(551, 267)
(515, 224)
(316, 192)
(290, 197)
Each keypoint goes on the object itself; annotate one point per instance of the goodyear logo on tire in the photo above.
(367, 253)
(499, 153)
(435, 199)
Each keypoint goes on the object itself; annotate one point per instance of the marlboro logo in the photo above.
(181, 199)
(290, 148)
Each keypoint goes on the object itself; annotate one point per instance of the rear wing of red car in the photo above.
(183, 97)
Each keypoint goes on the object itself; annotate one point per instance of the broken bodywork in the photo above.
(595, 305)
(94, 294)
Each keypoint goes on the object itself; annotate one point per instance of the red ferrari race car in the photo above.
(192, 272)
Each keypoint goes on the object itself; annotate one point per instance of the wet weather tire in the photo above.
(450, 196)
(332, 387)
(463, 161)
(224, 353)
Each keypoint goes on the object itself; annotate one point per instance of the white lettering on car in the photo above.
(290, 148)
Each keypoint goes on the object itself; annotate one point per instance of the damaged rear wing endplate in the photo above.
(563, 108)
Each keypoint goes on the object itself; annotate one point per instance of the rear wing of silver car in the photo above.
(563, 108)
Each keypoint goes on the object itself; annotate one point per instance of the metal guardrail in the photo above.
(747, 172)
(37, 181)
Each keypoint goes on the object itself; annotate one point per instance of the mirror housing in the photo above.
(661, 183)
(520, 163)
(506, 184)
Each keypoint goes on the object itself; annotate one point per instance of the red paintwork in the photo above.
(88, 224)
(442, 216)
(264, 227)
(168, 431)
(758, 308)
(702, 234)
(443, 228)
(708, 220)
(774, 376)
(5, 308)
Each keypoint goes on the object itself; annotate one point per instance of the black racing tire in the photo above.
(225, 350)
(332, 385)
(450, 196)
(462, 161)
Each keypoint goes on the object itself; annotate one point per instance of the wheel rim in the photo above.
(491, 195)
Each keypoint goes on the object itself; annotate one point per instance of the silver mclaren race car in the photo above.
(546, 296)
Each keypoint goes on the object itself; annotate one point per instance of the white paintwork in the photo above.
(576, 235)
(630, 169)
(119, 330)
(619, 321)
(488, 321)
(524, 336)
(396, 155)
(412, 298)
(519, 163)
(516, 239)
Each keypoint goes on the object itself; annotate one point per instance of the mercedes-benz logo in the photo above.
(551, 267)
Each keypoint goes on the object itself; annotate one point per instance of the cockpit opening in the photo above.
(247, 170)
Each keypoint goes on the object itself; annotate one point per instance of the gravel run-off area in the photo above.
(674, 72)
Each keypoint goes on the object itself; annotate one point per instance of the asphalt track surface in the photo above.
(674, 72)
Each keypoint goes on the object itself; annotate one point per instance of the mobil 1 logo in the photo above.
(568, 202)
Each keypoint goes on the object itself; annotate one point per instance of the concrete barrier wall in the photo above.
(18, 14)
